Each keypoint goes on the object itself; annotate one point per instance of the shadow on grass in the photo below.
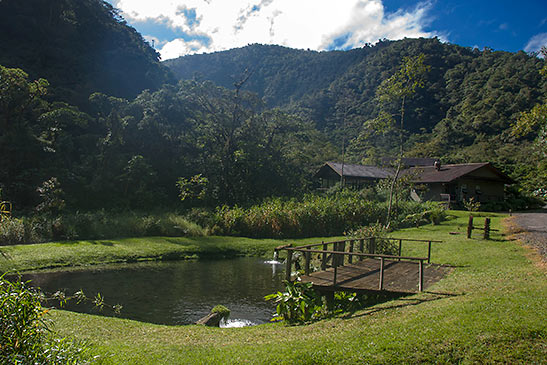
(103, 243)
(383, 298)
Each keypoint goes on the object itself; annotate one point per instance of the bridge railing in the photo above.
(354, 248)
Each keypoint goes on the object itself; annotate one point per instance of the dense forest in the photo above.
(464, 112)
(89, 115)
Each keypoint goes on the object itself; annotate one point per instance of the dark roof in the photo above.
(359, 171)
(449, 173)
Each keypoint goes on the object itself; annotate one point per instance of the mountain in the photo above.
(278, 74)
(464, 111)
(79, 46)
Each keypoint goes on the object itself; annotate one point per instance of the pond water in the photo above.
(175, 293)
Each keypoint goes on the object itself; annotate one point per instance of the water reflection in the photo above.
(176, 292)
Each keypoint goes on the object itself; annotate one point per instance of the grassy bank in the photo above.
(93, 252)
(491, 308)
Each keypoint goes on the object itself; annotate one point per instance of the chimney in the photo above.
(437, 165)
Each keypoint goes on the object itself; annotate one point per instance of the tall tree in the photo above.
(393, 94)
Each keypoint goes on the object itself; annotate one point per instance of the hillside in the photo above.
(79, 46)
(143, 138)
(464, 113)
(279, 74)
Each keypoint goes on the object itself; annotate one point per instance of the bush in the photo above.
(300, 303)
(25, 336)
(383, 245)
(12, 230)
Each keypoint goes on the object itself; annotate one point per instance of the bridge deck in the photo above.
(399, 276)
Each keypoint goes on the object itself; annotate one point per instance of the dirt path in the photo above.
(533, 227)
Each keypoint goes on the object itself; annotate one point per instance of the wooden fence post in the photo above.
(400, 248)
(350, 257)
(429, 252)
(487, 228)
(470, 226)
(361, 248)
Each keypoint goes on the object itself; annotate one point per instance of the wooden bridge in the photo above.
(353, 265)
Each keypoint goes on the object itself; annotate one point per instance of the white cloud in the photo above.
(314, 24)
(536, 42)
(179, 47)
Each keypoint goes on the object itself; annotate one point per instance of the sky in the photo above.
(180, 27)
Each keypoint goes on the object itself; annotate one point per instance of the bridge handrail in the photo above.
(356, 254)
(338, 252)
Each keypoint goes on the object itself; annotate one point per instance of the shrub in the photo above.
(12, 230)
(300, 303)
(377, 230)
(25, 336)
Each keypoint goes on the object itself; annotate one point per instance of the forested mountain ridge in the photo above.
(321, 81)
(80, 47)
(278, 74)
(464, 113)
(141, 140)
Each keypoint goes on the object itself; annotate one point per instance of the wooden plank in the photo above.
(397, 276)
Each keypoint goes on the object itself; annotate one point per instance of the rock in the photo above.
(211, 320)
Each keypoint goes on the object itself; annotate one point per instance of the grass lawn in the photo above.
(491, 308)
(92, 252)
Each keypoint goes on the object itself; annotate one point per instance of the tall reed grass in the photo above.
(94, 225)
(314, 215)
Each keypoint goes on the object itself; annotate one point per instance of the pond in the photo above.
(175, 293)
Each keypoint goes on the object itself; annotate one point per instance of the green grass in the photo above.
(92, 252)
(491, 308)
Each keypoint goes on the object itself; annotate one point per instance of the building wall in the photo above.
(464, 189)
(481, 190)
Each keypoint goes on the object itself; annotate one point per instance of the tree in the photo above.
(21, 148)
(535, 121)
(392, 95)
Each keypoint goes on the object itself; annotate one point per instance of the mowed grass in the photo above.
(92, 252)
(491, 308)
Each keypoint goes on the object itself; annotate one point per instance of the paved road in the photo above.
(535, 226)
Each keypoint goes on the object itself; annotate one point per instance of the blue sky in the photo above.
(180, 27)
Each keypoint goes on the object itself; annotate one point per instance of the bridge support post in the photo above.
(324, 256)
(381, 281)
(421, 276)
(307, 264)
(289, 266)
